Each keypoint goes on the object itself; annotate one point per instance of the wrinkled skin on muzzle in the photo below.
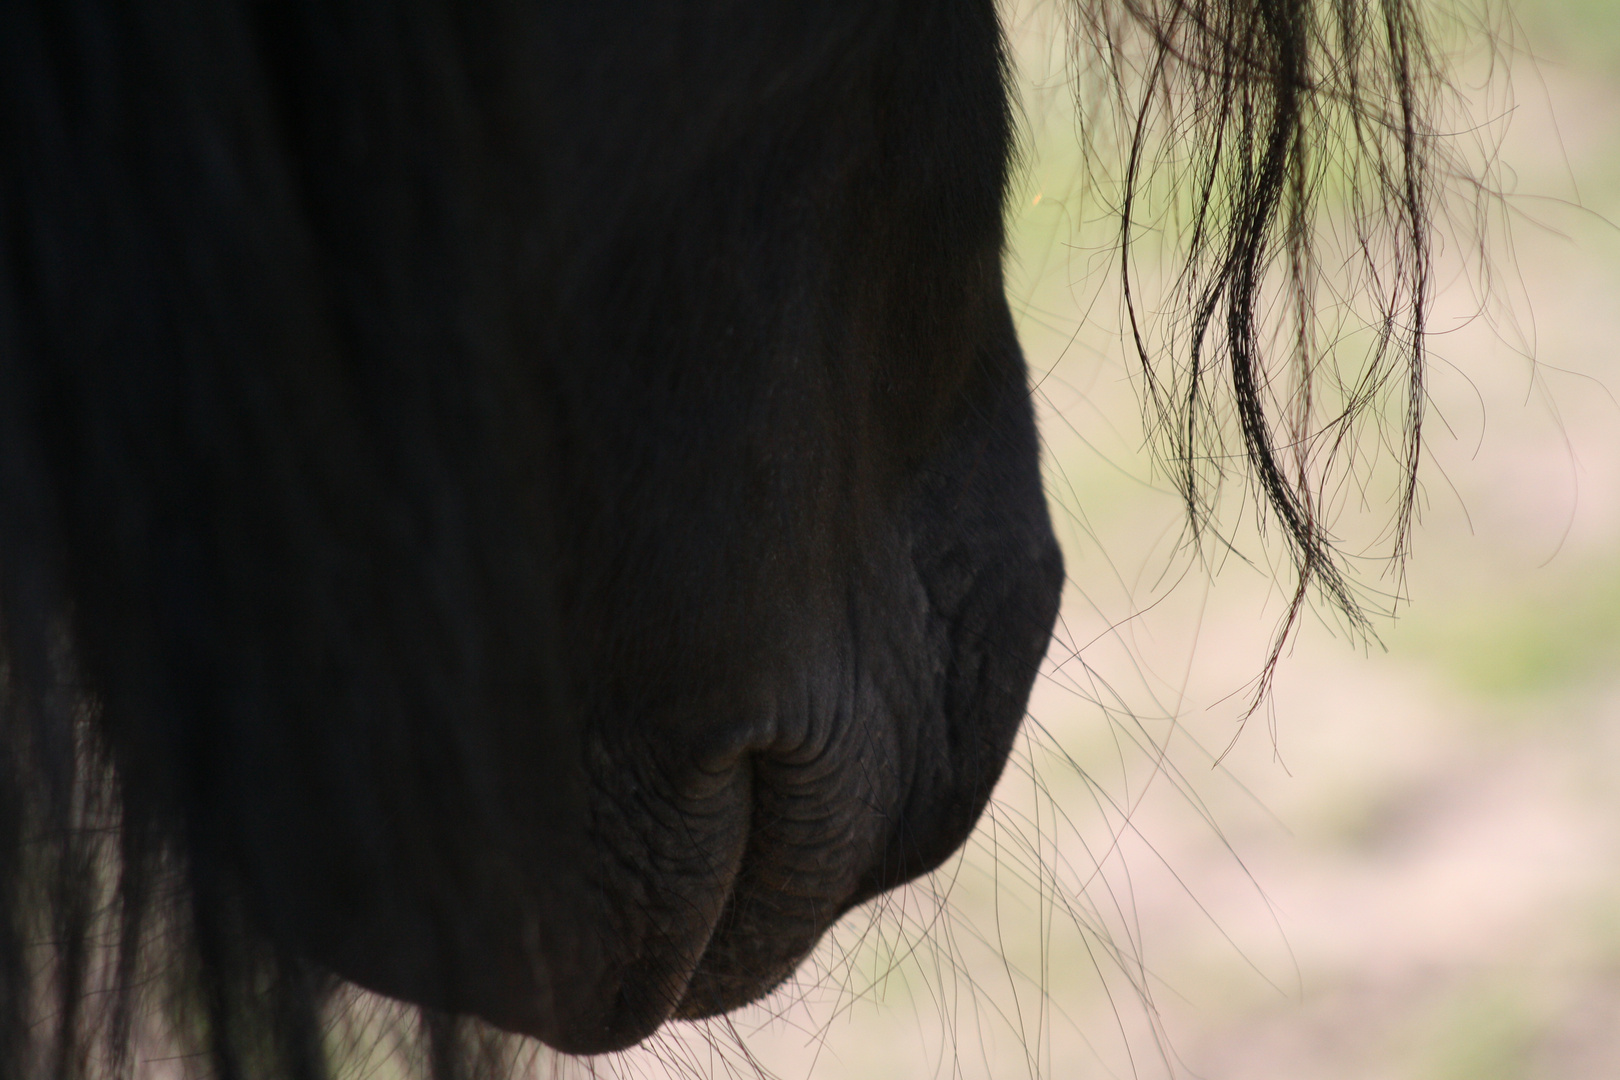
(545, 499)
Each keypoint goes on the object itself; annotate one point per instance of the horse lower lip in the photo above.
(713, 989)
(714, 1000)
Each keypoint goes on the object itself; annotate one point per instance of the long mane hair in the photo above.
(1290, 151)
(1258, 120)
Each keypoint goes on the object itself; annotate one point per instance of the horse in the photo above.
(534, 511)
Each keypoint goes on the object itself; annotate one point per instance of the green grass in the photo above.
(1549, 633)
(1489, 1034)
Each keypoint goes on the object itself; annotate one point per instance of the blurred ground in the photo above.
(1409, 867)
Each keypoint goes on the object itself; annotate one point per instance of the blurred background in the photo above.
(1405, 865)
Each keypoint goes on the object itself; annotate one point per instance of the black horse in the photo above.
(534, 509)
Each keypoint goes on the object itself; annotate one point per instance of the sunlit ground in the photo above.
(1409, 865)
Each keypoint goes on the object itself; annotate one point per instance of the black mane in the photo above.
(1299, 143)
